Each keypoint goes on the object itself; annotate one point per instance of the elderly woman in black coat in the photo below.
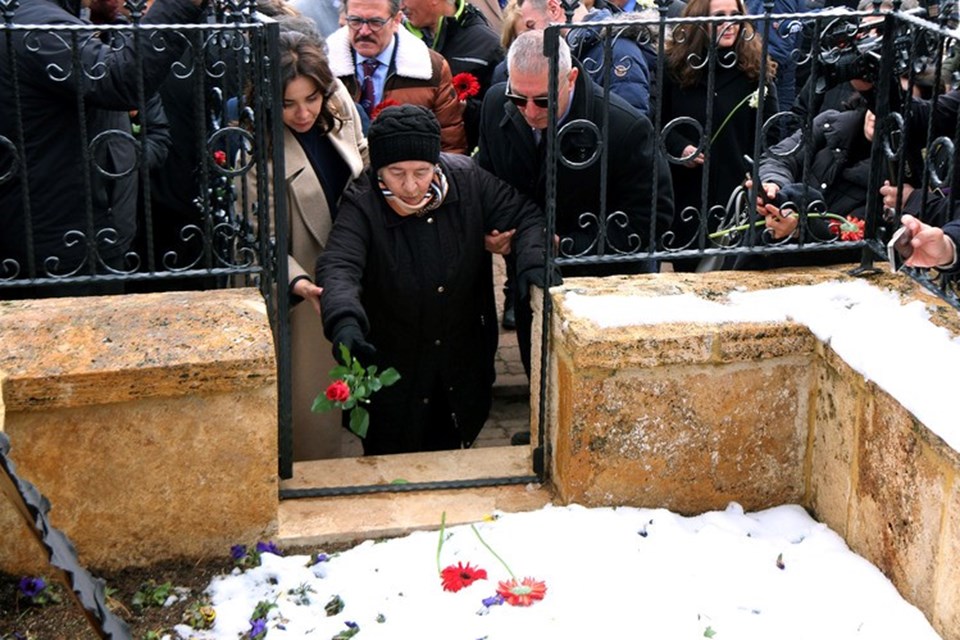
(407, 282)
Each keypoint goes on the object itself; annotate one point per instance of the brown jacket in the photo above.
(417, 75)
(315, 435)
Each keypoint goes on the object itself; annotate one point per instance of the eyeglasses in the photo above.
(375, 24)
(521, 101)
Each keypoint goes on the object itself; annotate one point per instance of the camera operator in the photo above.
(847, 61)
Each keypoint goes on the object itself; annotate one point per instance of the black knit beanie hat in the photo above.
(405, 132)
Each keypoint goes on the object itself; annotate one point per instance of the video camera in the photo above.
(851, 48)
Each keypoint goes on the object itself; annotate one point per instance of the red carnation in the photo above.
(338, 391)
(524, 593)
(466, 85)
(220, 157)
(457, 577)
(383, 104)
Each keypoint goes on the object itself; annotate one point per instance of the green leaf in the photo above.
(709, 632)
(338, 372)
(321, 403)
(344, 353)
(356, 368)
(360, 391)
(372, 370)
(399, 481)
(349, 404)
(359, 421)
(375, 385)
(389, 376)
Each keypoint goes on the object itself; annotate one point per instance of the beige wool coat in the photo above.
(315, 435)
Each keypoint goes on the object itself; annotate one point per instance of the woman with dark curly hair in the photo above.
(323, 148)
(716, 67)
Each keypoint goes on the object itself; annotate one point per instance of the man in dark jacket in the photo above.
(637, 189)
(458, 31)
(59, 216)
(406, 281)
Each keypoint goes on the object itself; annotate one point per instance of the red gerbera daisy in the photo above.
(380, 106)
(457, 577)
(850, 230)
(466, 85)
(522, 594)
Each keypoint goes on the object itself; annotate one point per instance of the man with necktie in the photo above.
(382, 64)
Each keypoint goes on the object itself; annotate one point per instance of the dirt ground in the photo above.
(20, 620)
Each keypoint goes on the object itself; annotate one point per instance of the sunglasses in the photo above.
(375, 24)
(521, 101)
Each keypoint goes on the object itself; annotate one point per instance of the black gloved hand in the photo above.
(348, 333)
(796, 195)
(536, 277)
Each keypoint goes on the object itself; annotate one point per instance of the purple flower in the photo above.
(493, 600)
(238, 551)
(269, 547)
(31, 587)
(258, 627)
(352, 625)
(320, 557)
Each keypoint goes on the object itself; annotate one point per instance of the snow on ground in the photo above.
(610, 572)
(637, 573)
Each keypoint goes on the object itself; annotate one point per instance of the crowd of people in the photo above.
(415, 149)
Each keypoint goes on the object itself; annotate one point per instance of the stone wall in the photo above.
(149, 421)
(692, 415)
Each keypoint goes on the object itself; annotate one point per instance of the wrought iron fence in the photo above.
(720, 222)
(709, 73)
(126, 150)
(83, 208)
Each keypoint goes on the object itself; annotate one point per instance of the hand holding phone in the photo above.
(899, 248)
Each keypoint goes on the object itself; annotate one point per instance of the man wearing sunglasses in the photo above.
(379, 61)
(512, 146)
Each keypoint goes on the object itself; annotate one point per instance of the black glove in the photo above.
(348, 333)
(797, 195)
(537, 278)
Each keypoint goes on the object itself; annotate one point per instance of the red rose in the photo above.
(338, 391)
(466, 85)
(220, 157)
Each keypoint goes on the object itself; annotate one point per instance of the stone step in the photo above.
(352, 518)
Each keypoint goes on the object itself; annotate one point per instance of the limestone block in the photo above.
(837, 414)
(69, 352)
(689, 439)
(149, 421)
(138, 482)
(898, 500)
(946, 611)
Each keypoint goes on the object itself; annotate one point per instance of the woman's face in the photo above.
(727, 32)
(302, 101)
(408, 180)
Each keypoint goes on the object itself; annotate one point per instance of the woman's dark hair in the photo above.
(302, 57)
(694, 39)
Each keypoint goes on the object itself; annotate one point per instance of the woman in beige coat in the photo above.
(324, 148)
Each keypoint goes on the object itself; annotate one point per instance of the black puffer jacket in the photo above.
(839, 161)
(55, 131)
(419, 288)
